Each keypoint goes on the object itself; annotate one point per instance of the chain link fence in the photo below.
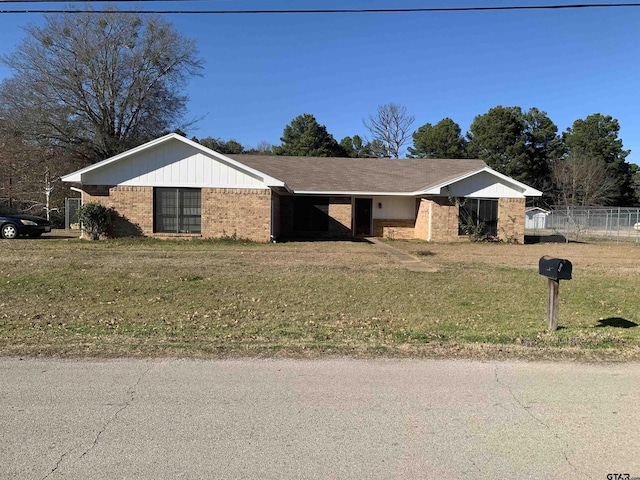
(581, 223)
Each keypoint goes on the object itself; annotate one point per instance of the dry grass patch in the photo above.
(214, 299)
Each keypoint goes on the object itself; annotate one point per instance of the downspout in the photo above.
(272, 237)
(430, 216)
(76, 189)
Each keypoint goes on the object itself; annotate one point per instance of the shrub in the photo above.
(477, 232)
(94, 218)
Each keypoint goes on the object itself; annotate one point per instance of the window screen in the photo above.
(311, 214)
(478, 212)
(177, 210)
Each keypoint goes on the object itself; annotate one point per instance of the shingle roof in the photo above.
(333, 175)
(321, 174)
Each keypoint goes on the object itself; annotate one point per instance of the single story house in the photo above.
(173, 187)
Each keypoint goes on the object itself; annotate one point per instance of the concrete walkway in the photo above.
(409, 262)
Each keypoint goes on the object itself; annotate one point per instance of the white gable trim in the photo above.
(266, 179)
(525, 190)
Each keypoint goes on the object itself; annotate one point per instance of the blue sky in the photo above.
(261, 71)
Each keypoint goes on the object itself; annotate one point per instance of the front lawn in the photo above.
(206, 299)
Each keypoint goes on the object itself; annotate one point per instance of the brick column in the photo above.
(511, 219)
(421, 229)
(444, 220)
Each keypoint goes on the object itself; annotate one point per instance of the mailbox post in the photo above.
(555, 269)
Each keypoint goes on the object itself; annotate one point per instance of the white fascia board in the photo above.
(526, 190)
(343, 193)
(266, 179)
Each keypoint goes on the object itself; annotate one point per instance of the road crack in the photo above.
(131, 392)
(561, 440)
(57, 465)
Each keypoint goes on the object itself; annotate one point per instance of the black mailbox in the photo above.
(555, 268)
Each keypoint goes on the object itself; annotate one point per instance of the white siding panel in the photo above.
(172, 164)
(231, 176)
(397, 208)
(216, 171)
(207, 168)
(190, 173)
(483, 185)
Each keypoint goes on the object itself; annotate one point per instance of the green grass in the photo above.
(215, 299)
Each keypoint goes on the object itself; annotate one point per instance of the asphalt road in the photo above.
(334, 419)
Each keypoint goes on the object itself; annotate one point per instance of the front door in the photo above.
(363, 217)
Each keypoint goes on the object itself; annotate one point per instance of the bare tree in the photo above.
(98, 83)
(30, 174)
(264, 147)
(583, 180)
(7, 169)
(392, 126)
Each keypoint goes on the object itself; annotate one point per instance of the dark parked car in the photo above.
(14, 223)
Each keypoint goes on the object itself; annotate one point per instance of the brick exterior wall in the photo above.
(444, 220)
(245, 213)
(511, 219)
(239, 212)
(133, 207)
(421, 230)
(340, 213)
(396, 229)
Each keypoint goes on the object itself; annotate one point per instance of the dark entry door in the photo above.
(363, 217)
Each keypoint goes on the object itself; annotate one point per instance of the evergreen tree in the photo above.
(442, 140)
(356, 148)
(597, 137)
(520, 144)
(305, 137)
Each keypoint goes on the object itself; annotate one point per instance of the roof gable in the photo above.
(484, 183)
(172, 160)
